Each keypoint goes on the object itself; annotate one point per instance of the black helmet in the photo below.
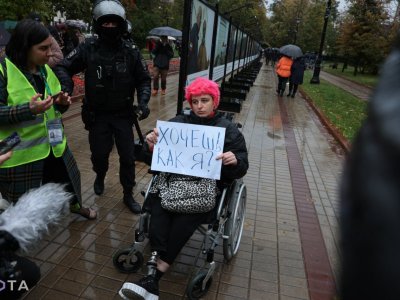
(104, 9)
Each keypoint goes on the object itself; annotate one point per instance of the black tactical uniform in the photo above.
(114, 69)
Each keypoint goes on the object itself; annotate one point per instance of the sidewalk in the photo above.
(289, 247)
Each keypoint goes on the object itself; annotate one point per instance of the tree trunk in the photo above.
(344, 66)
(355, 70)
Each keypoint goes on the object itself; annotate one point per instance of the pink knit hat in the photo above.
(202, 86)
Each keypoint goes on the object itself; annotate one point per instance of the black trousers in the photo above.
(106, 129)
(282, 84)
(54, 170)
(169, 232)
(293, 88)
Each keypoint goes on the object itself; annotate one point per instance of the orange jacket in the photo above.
(283, 66)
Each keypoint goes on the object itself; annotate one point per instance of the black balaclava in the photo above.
(110, 35)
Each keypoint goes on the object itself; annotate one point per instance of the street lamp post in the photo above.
(317, 67)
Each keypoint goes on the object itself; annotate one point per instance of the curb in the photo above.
(343, 142)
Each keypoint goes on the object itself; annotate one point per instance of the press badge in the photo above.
(55, 132)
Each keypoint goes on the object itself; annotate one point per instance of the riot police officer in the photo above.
(113, 71)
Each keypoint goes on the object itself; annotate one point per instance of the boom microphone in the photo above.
(29, 218)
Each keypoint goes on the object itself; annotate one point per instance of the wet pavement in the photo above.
(289, 248)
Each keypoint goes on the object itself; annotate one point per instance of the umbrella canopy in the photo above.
(291, 50)
(76, 24)
(166, 31)
(4, 37)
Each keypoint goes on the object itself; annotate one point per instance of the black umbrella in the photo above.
(166, 31)
(291, 50)
(4, 36)
(76, 24)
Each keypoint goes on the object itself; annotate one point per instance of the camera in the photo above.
(9, 142)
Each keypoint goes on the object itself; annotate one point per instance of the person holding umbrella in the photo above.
(162, 54)
(282, 69)
(296, 75)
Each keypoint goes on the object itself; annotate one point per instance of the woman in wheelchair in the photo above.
(169, 232)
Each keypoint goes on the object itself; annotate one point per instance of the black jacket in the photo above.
(162, 53)
(82, 56)
(234, 141)
(297, 71)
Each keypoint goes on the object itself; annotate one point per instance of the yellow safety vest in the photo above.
(33, 133)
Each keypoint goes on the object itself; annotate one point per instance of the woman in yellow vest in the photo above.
(31, 103)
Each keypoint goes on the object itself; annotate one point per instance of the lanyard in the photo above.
(48, 90)
(46, 85)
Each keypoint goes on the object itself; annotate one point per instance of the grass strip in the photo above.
(345, 111)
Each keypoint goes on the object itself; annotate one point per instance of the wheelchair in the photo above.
(226, 225)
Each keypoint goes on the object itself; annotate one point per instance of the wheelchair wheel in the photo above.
(234, 225)
(127, 262)
(195, 288)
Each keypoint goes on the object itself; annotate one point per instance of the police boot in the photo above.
(131, 203)
(98, 185)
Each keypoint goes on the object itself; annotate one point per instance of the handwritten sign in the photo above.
(188, 149)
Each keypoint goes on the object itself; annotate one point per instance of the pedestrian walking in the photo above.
(283, 71)
(274, 56)
(296, 76)
(268, 55)
(162, 52)
(114, 70)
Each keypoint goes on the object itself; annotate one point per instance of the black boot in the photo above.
(131, 203)
(288, 95)
(292, 95)
(98, 185)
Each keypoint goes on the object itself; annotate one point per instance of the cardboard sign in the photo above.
(188, 149)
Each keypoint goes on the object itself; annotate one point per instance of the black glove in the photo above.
(144, 111)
